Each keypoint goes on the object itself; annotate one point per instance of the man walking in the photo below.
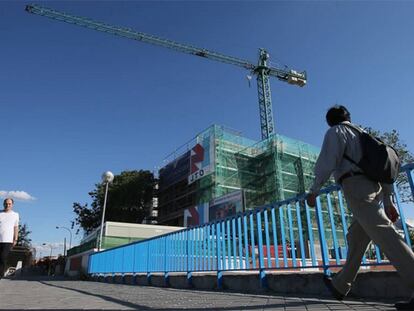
(9, 231)
(364, 197)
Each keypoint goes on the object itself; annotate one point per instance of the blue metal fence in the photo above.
(284, 235)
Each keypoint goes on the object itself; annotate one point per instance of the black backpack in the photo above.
(379, 162)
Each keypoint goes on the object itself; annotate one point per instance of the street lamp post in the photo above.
(107, 178)
(70, 237)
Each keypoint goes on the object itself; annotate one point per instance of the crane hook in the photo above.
(249, 79)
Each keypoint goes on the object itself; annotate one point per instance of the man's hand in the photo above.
(391, 212)
(311, 199)
(14, 243)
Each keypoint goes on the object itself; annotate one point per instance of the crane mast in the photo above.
(262, 70)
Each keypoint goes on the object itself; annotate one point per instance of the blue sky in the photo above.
(76, 102)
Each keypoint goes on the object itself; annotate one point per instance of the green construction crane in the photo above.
(261, 70)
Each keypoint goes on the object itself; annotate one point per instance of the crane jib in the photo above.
(262, 71)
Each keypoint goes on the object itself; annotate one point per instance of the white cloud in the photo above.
(17, 195)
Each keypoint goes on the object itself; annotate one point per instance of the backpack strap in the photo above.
(353, 126)
(360, 131)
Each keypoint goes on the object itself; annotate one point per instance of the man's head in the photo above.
(8, 204)
(337, 114)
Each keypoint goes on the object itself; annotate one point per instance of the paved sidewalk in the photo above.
(43, 294)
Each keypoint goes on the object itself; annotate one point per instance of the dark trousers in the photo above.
(4, 252)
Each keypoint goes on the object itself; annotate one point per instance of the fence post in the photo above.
(262, 275)
(321, 231)
(283, 236)
(148, 264)
(403, 223)
(166, 257)
(291, 235)
(332, 220)
(310, 234)
(189, 274)
(219, 266)
(410, 178)
(266, 227)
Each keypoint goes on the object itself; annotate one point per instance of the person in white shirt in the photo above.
(370, 220)
(9, 232)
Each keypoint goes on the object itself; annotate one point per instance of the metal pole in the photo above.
(64, 246)
(70, 235)
(103, 217)
(50, 261)
(70, 240)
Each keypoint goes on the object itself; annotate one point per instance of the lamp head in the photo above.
(107, 177)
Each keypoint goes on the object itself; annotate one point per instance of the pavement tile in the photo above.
(49, 294)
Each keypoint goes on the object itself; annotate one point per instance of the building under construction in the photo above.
(220, 173)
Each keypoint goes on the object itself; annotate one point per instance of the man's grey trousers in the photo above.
(370, 223)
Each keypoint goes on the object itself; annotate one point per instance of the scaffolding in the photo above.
(275, 169)
(267, 171)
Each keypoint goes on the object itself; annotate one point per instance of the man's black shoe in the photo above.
(409, 305)
(335, 293)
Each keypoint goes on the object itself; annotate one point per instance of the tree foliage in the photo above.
(393, 139)
(129, 200)
(23, 238)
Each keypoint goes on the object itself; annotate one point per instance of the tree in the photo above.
(129, 200)
(393, 139)
(23, 239)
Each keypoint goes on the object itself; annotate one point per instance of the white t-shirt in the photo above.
(8, 220)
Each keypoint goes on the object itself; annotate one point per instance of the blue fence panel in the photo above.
(287, 235)
(129, 258)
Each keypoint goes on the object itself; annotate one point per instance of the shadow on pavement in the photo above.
(288, 303)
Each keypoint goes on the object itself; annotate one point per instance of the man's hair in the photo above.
(4, 202)
(337, 114)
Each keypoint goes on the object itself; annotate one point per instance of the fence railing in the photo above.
(285, 235)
